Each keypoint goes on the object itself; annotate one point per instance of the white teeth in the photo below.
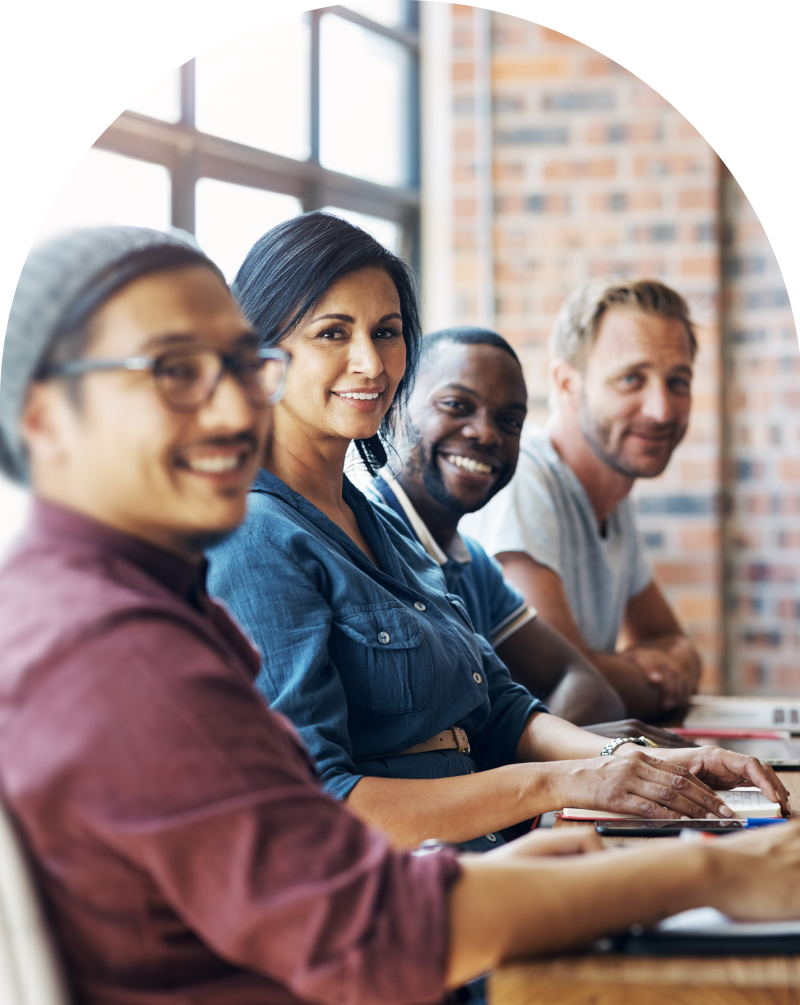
(469, 464)
(359, 396)
(214, 465)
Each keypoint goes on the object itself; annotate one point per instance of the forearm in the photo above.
(456, 809)
(541, 659)
(584, 697)
(504, 909)
(548, 738)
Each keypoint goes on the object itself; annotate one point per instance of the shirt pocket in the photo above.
(383, 661)
(458, 605)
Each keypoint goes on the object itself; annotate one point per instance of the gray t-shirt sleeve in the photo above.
(522, 517)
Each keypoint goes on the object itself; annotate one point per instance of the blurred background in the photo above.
(508, 163)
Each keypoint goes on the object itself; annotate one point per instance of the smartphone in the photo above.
(664, 828)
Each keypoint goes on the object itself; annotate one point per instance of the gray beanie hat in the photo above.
(55, 276)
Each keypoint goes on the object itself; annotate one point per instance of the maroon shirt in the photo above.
(185, 850)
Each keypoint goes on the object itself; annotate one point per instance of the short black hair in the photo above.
(467, 335)
(290, 269)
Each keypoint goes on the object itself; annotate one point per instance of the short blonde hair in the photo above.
(578, 321)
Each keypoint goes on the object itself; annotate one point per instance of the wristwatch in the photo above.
(611, 746)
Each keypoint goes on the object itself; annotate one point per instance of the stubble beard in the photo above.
(425, 462)
(598, 435)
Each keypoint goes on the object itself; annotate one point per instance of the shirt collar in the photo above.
(458, 550)
(365, 514)
(187, 579)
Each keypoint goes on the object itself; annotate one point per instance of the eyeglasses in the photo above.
(187, 377)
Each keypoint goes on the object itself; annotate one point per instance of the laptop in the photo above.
(715, 712)
(782, 754)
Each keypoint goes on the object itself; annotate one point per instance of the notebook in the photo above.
(745, 801)
(713, 712)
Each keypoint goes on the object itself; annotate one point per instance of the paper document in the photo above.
(745, 801)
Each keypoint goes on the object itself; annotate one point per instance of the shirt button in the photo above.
(384, 638)
(491, 837)
(476, 676)
(419, 606)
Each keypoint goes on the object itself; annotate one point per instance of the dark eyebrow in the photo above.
(333, 317)
(347, 317)
(522, 406)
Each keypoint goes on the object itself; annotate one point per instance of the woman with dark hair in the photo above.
(409, 714)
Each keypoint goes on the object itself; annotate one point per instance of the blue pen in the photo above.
(763, 822)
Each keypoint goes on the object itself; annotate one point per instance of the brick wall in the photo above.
(762, 469)
(594, 173)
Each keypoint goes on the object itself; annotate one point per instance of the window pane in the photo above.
(163, 100)
(231, 218)
(388, 12)
(363, 102)
(254, 89)
(106, 188)
(385, 231)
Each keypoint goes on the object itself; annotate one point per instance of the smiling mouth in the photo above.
(215, 465)
(468, 464)
(358, 395)
(217, 460)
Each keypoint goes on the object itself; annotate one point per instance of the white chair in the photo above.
(30, 970)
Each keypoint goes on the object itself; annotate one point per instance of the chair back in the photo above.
(30, 970)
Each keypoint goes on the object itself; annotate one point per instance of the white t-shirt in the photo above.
(545, 512)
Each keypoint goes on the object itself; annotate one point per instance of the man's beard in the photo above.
(425, 462)
(598, 435)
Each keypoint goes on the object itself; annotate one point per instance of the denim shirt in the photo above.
(365, 661)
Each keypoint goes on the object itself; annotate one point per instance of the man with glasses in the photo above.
(179, 834)
(176, 826)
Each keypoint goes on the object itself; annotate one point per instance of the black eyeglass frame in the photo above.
(229, 364)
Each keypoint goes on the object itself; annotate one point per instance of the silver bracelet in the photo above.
(611, 746)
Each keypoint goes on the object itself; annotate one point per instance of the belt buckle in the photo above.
(461, 738)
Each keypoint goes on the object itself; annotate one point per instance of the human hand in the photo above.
(635, 783)
(634, 728)
(662, 670)
(546, 843)
(757, 876)
(723, 769)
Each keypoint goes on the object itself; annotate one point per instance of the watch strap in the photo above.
(611, 746)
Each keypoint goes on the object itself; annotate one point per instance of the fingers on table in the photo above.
(671, 794)
(738, 769)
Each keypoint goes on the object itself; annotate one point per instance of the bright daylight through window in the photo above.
(314, 111)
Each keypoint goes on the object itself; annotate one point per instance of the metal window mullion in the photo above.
(184, 172)
(402, 35)
(313, 197)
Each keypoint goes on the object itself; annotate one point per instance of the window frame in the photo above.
(190, 155)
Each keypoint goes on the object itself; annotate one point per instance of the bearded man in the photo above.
(564, 529)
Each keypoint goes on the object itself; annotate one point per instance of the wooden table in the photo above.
(620, 979)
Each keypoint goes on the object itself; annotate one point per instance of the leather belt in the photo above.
(449, 739)
(454, 738)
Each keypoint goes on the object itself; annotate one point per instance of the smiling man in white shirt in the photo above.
(564, 529)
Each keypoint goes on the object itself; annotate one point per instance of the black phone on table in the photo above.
(665, 828)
